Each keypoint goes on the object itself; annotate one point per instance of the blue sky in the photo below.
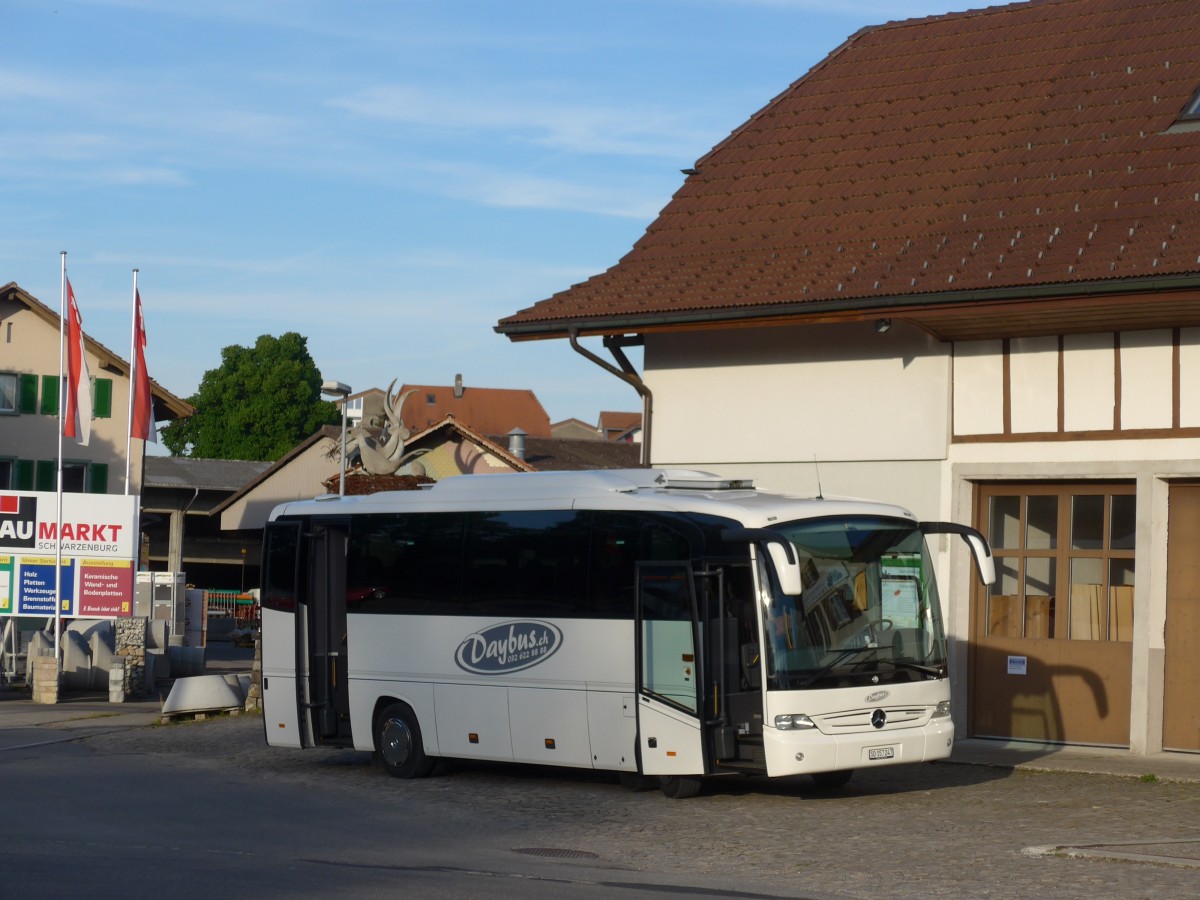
(388, 178)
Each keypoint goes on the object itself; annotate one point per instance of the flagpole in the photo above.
(133, 375)
(62, 319)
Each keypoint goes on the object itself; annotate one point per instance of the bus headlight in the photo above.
(794, 722)
(942, 710)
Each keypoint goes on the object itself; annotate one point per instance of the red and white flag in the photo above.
(141, 416)
(77, 421)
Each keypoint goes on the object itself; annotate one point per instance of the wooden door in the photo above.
(1051, 640)
(1181, 689)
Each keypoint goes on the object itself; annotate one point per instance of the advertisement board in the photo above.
(98, 547)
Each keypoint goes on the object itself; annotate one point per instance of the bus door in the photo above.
(669, 677)
(732, 697)
(327, 698)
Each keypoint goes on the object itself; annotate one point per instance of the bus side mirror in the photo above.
(983, 557)
(779, 548)
(787, 569)
(985, 563)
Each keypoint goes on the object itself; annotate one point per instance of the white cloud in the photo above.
(560, 125)
(515, 190)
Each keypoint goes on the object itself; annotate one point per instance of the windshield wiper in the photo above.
(938, 671)
(833, 663)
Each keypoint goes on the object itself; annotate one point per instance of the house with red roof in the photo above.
(956, 265)
(620, 426)
(486, 410)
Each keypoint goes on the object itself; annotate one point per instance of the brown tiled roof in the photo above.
(576, 455)
(614, 424)
(484, 410)
(1007, 154)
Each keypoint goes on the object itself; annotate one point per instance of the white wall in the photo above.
(1089, 382)
(837, 393)
(1146, 361)
(979, 387)
(1189, 377)
(1033, 371)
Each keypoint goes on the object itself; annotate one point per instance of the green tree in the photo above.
(259, 404)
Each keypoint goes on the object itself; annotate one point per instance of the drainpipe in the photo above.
(627, 374)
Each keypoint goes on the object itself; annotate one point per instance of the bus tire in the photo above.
(679, 787)
(832, 780)
(398, 745)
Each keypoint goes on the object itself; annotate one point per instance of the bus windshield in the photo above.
(869, 611)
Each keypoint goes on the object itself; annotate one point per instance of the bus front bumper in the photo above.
(807, 751)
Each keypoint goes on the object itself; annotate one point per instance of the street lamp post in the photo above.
(337, 389)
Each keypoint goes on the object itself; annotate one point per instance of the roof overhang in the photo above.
(1117, 305)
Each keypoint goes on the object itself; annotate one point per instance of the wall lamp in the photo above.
(883, 326)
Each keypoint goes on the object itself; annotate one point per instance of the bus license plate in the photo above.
(882, 753)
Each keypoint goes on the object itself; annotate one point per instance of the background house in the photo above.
(485, 410)
(621, 426)
(955, 266)
(29, 396)
(575, 428)
(178, 531)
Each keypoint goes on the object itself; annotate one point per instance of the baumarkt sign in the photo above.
(97, 549)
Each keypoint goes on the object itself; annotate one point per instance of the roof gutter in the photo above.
(865, 305)
(627, 374)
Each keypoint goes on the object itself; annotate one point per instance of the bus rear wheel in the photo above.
(679, 787)
(398, 745)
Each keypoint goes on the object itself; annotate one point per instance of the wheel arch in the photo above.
(422, 712)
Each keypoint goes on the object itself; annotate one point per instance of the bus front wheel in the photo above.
(679, 787)
(398, 745)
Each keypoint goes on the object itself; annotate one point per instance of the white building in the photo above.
(955, 266)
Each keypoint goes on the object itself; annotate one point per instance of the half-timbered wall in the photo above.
(1131, 384)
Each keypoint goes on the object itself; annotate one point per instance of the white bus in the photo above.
(664, 624)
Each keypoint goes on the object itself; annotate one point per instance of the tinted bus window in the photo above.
(281, 550)
(619, 540)
(405, 563)
(526, 563)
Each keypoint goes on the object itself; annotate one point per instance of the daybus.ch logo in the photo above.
(508, 647)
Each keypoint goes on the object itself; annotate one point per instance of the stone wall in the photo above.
(45, 679)
(130, 640)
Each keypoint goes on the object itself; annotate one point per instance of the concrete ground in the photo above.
(1045, 813)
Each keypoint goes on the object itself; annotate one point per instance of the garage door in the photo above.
(1050, 655)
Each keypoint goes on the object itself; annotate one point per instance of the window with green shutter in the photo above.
(22, 476)
(78, 477)
(102, 389)
(97, 478)
(46, 477)
(50, 395)
(29, 393)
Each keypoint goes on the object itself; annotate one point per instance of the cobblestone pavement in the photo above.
(934, 830)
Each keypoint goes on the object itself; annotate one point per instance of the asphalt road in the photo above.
(206, 809)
